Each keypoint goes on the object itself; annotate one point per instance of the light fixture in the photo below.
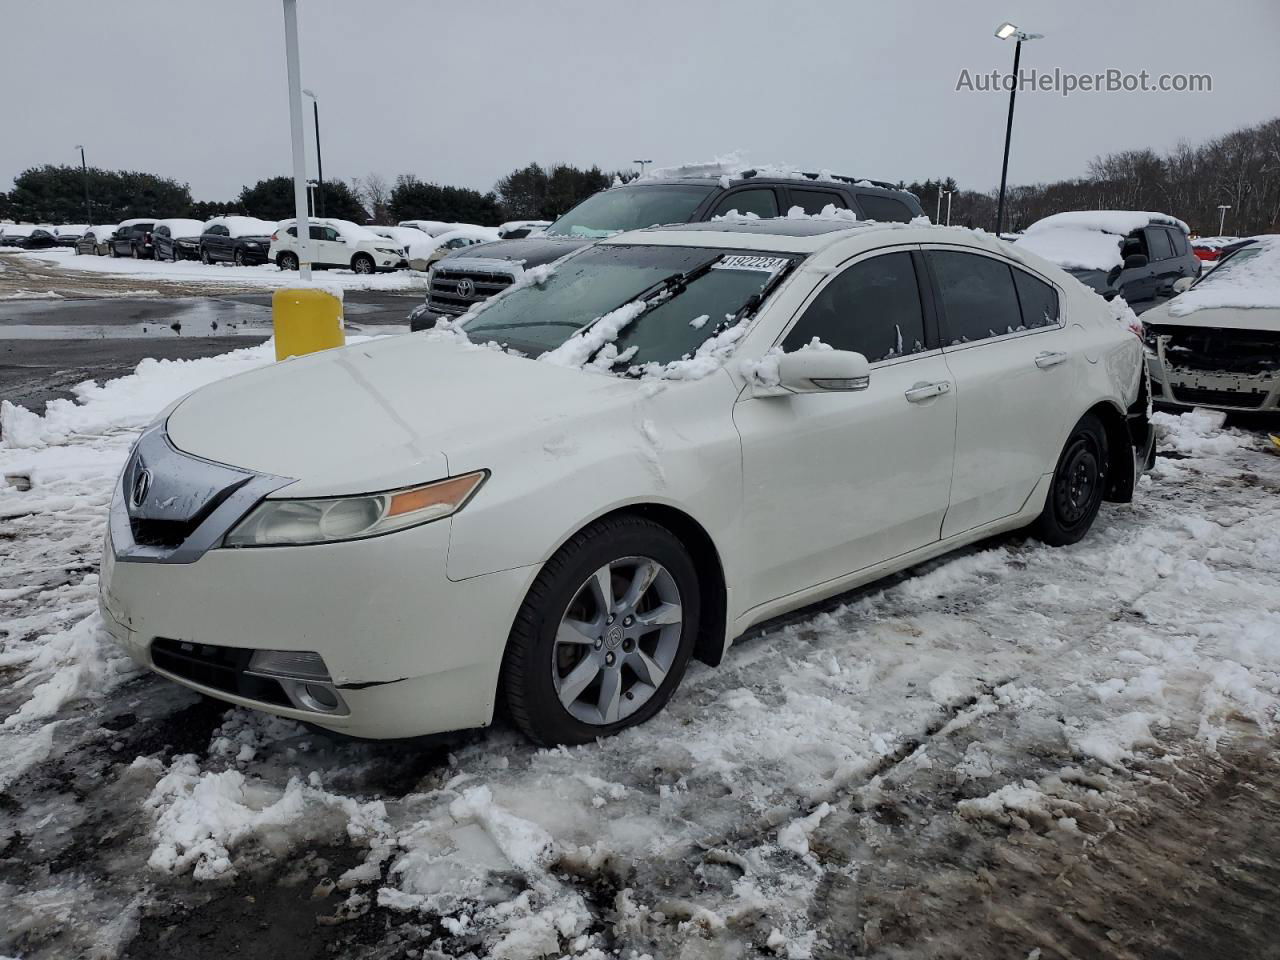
(1006, 30)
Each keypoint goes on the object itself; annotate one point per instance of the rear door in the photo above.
(836, 482)
(1014, 368)
(161, 242)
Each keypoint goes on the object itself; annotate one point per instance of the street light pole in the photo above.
(84, 168)
(315, 104)
(295, 129)
(1222, 217)
(949, 193)
(937, 216)
(643, 164)
(1004, 32)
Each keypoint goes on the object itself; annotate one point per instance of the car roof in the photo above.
(803, 235)
(870, 186)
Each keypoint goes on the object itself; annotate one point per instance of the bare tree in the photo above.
(375, 193)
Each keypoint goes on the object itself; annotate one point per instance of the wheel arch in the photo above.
(710, 642)
(1121, 468)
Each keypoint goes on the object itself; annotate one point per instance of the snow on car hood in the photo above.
(382, 414)
(534, 251)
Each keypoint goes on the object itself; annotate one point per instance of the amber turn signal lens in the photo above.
(449, 493)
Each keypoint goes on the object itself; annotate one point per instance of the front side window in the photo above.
(759, 201)
(162, 231)
(690, 294)
(1158, 244)
(884, 209)
(813, 201)
(978, 296)
(631, 208)
(872, 308)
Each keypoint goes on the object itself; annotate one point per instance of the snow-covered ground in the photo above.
(267, 276)
(977, 729)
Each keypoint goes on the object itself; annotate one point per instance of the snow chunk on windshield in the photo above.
(579, 348)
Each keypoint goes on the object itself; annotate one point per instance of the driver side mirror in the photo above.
(1135, 260)
(822, 371)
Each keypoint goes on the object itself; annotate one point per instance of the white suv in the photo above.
(337, 243)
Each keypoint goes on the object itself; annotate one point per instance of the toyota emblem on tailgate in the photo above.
(466, 287)
(141, 484)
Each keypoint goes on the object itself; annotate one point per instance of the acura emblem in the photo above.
(141, 484)
(466, 287)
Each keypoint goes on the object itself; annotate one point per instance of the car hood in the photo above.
(1223, 318)
(534, 251)
(383, 414)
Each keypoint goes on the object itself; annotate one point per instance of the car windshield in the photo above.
(631, 208)
(1225, 266)
(690, 294)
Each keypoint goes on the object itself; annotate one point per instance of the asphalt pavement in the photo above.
(49, 346)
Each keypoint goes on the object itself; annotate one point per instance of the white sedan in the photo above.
(622, 462)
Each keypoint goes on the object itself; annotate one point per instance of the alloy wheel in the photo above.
(617, 640)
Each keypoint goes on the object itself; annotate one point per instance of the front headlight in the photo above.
(330, 520)
(251, 243)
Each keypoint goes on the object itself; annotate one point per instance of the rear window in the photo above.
(813, 201)
(1038, 300)
(978, 297)
(631, 208)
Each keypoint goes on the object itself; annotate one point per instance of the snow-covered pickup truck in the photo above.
(679, 195)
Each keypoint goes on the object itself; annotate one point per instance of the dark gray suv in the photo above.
(477, 273)
(1132, 254)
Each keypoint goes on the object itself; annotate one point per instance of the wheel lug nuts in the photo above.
(611, 618)
(608, 658)
(630, 695)
(599, 642)
(628, 621)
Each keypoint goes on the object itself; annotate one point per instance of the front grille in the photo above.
(446, 299)
(1219, 398)
(219, 668)
(1220, 350)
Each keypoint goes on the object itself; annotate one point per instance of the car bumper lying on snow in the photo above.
(369, 637)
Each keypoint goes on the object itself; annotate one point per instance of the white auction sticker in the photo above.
(739, 262)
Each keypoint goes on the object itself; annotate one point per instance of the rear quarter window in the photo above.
(884, 209)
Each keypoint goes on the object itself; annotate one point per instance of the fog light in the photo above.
(322, 696)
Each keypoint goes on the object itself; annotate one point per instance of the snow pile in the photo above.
(829, 212)
(732, 166)
(1247, 280)
(181, 229)
(1075, 248)
(31, 295)
(1116, 222)
(1198, 433)
(243, 226)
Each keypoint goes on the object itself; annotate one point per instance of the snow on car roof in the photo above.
(181, 227)
(1118, 222)
(1249, 279)
(129, 223)
(347, 229)
(798, 234)
(732, 166)
(244, 226)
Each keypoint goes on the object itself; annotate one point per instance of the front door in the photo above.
(835, 482)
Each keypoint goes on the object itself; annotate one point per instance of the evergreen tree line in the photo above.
(1241, 169)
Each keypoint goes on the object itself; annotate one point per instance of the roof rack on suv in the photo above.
(884, 184)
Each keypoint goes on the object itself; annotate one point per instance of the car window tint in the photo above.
(761, 202)
(1038, 300)
(331, 234)
(978, 296)
(1179, 242)
(883, 209)
(813, 201)
(1158, 244)
(872, 308)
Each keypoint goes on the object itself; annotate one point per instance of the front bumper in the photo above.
(407, 650)
(1218, 389)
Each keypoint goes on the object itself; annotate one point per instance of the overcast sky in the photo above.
(464, 92)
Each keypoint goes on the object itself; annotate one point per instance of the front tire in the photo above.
(1079, 481)
(604, 635)
(238, 258)
(363, 263)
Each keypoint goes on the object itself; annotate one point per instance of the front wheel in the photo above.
(238, 258)
(604, 634)
(362, 263)
(1079, 481)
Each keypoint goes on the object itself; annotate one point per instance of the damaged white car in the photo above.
(620, 463)
(1218, 344)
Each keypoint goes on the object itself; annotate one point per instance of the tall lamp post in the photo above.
(1004, 32)
(643, 164)
(948, 193)
(294, 70)
(1222, 217)
(315, 104)
(84, 168)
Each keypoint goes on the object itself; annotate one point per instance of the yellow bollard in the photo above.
(306, 320)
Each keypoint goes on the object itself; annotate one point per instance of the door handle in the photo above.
(1050, 358)
(925, 391)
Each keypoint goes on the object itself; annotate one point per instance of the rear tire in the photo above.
(582, 664)
(287, 261)
(238, 258)
(1079, 481)
(114, 252)
(204, 256)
